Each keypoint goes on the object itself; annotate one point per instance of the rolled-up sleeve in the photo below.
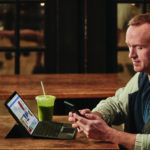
(142, 142)
(112, 108)
(115, 108)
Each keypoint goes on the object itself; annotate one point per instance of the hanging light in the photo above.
(42, 4)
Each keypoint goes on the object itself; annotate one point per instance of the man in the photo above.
(131, 104)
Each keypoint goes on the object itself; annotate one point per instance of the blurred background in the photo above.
(66, 36)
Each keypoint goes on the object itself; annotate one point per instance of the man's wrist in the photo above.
(122, 138)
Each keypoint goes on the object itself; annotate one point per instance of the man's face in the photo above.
(138, 41)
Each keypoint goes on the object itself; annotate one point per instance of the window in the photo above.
(57, 36)
(22, 26)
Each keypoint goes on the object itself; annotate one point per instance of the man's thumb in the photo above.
(91, 116)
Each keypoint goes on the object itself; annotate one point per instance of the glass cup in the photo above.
(45, 106)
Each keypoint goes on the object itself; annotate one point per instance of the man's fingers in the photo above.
(71, 119)
(84, 111)
(91, 116)
(80, 130)
(77, 117)
(81, 122)
(74, 125)
(70, 114)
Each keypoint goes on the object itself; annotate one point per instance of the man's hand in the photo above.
(93, 126)
(83, 112)
(73, 119)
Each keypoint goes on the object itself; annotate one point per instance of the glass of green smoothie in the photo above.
(45, 105)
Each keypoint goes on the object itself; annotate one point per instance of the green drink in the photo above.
(45, 105)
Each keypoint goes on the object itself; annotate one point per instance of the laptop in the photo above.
(35, 128)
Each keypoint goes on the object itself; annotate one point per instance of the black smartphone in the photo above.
(72, 108)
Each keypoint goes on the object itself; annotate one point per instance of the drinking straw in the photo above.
(43, 88)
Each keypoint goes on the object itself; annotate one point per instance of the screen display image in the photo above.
(23, 113)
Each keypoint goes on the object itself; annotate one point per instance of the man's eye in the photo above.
(139, 47)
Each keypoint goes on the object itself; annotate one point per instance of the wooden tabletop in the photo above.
(61, 85)
(80, 142)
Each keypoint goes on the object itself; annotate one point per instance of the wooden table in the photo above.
(80, 142)
(61, 85)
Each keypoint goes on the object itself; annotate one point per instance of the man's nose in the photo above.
(132, 52)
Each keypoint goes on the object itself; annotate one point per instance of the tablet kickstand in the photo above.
(17, 132)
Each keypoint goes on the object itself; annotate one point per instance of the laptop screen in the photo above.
(23, 113)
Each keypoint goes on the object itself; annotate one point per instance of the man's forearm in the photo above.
(125, 139)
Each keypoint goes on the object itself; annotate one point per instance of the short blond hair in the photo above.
(139, 19)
